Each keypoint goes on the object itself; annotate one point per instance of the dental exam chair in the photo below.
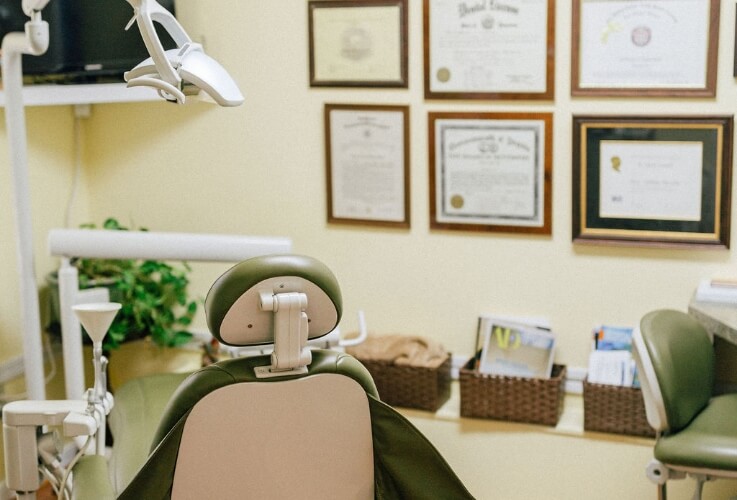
(299, 423)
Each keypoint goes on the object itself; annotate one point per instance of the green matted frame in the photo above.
(712, 134)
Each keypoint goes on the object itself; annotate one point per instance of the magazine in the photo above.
(515, 349)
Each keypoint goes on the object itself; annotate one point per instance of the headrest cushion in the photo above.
(232, 304)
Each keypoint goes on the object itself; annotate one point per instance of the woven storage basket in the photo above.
(411, 386)
(614, 409)
(517, 399)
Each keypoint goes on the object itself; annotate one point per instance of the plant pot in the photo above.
(142, 357)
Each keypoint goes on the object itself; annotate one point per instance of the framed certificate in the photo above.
(652, 181)
(491, 171)
(489, 50)
(358, 43)
(643, 48)
(367, 158)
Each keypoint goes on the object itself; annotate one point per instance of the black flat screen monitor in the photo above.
(87, 39)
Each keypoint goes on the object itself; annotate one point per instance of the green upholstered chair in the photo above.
(296, 424)
(696, 430)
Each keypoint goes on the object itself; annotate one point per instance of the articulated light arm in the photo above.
(178, 72)
(170, 73)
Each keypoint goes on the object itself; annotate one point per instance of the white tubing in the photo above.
(108, 244)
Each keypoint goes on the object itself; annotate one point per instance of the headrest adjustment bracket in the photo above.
(291, 354)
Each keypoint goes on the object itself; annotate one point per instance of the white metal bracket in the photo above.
(291, 354)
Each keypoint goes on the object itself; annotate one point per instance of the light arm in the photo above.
(144, 14)
(175, 72)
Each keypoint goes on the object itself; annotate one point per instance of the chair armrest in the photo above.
(91, 480)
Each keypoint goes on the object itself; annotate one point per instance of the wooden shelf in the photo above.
(98, 93)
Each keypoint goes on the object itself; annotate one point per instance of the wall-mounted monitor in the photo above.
(87, 39)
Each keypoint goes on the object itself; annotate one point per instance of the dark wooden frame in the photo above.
(711, 64)
(549, 93)
(403, 224)
(547, 174)
(403, 37)
(712, 231)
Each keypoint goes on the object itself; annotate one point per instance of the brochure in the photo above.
(611, 360)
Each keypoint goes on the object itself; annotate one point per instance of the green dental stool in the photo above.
(298, 424)
(696, 431)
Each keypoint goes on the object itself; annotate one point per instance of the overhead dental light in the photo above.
(176, 73)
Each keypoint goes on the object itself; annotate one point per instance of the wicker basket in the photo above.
(411, 386)
(517, 399)
(614, 409)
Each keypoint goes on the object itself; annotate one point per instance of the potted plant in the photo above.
(154, 296)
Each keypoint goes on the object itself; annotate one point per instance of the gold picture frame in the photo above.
(652, 181)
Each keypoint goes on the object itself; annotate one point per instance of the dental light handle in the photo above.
(145, 13)
(31, 6)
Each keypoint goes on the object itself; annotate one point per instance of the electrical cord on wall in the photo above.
(81, 111)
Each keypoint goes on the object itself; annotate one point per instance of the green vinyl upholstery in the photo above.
(698, 434)
(709, 441)
(683, 359)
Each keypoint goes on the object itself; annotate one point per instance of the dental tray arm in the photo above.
(21, 423)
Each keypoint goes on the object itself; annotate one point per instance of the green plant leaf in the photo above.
(154, 295)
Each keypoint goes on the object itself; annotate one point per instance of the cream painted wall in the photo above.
(51, 167)
(259, 169)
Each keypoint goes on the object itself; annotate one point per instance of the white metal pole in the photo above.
(106, 244)
(71, 331)
(13, 46)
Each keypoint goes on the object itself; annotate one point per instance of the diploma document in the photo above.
(651, 180)
(359, 44)
(487, 46)
(643, 44)
(367, 165)
(490, 172)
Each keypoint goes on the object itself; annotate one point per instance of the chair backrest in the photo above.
(295, 424)
(675, 359)
(306, 437)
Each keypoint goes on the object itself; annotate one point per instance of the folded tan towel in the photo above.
(401, 349)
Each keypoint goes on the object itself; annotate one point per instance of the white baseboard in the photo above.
(456, 363)
(575, 375)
